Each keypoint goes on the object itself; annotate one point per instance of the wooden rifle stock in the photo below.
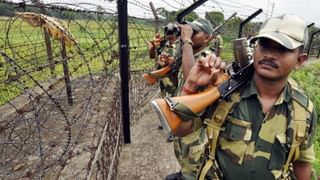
(152, 77)
(195, 102)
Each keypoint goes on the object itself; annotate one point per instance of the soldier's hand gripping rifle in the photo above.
(152, 77)
(173, 110)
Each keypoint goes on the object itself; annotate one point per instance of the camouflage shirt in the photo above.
(254, 145)
(169, 83)
(217, 45)
(188, 149)
(205, 51)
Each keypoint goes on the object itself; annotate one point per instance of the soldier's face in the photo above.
(200, 39)
(171, 38)
(273, 61)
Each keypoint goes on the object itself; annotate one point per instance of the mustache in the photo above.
(269, 62)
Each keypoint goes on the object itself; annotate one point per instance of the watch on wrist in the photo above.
(188, 41)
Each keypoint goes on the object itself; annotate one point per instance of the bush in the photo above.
(308, 78)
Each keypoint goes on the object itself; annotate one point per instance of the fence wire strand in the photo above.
(60, 84)
(61, 102)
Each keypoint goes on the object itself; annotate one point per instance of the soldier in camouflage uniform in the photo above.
(167, 53)
(196, 38)
(266, 130)
(250, 34)
(217, 45)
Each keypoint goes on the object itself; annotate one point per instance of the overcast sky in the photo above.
(307, 9)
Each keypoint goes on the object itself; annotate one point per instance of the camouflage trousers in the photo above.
(189, 151)
(167, 87)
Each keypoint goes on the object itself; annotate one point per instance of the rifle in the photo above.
(169, 109)
(217, 29)
(154, 44)
(152, 77)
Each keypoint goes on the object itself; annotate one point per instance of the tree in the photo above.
(163, 12)
(6, 10)
(189, 17)
(215, 17)
(171, 16)
(100, 10)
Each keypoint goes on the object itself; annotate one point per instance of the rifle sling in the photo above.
(213, 130)
(156, 75)
(299, 129)
(214, 126)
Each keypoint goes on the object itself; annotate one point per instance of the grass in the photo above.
(87, 34)
(308, 78)
(25, 44)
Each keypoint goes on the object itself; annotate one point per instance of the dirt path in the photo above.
(148, 156)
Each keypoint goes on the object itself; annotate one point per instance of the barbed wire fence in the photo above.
(60, 85)
(60, 92)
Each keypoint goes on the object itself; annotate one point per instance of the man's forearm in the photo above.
(187, 59)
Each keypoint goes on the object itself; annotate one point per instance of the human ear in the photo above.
(302, 58)
(209, 38)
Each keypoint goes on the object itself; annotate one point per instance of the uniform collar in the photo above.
(251, 89)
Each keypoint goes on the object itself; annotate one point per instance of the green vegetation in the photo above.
(171, 16)
(95, 37)
(308, 78)
(96, 51)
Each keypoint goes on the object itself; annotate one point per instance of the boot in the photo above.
(174, 176)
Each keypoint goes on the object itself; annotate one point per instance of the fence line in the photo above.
(59, 84)
(44, 130)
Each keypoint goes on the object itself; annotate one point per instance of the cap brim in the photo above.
(280, 38)
(194, 26)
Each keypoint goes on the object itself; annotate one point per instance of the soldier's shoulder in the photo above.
(300, 96)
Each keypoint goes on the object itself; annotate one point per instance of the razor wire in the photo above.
(59, 84)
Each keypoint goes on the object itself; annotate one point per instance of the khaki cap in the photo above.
(288, 30)
(201, 24)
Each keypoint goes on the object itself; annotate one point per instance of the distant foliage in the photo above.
(6, 10)
(215, 17)
(309, 79)
(172, 16)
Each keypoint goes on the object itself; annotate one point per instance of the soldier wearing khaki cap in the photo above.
(195, 43)
(266, 130)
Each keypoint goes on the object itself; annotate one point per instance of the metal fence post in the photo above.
(124, 67)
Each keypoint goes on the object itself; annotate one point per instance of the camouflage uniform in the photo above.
(217, 45)
(251, 144)
(256, 145)
(204, 52)
(169, 83)
(188, 149)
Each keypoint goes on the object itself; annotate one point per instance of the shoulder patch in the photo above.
(300, 97)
